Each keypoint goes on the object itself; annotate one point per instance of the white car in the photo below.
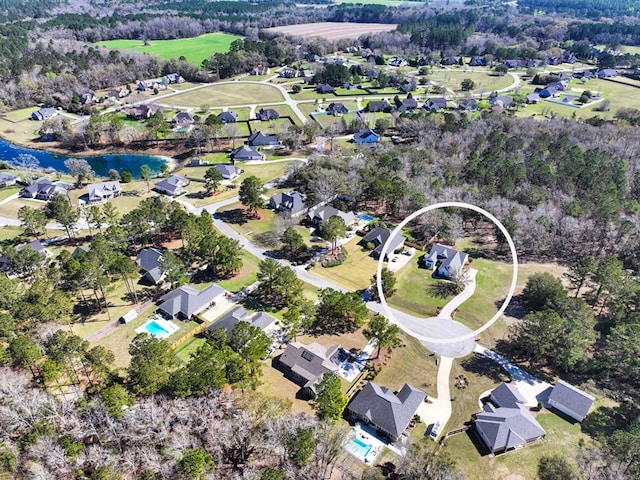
(435, 430)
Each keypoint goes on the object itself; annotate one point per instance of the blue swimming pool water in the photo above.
(358, 447)
(156, 329)
(364, 217)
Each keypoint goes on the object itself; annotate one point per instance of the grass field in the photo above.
(336, 30)
(226, 94)
(484, 83)
(357, 270)
(195, 49)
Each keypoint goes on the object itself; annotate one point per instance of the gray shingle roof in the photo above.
(150, 260)
(571, 397)
(507, 428)
(229, 320)
(187, 300)
(172, 185)
(311, 361)
(258, 138)
(507, 395)
(325, 212)
(289, 202)
(227, 171)
(246, 152)
(379, 237)
(98, 191)
(391, 413)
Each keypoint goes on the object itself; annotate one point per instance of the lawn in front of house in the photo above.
(245, 277)
(484, 82)
(6, 192)
(235, 216)
(562, 437)
(411, 363)
(413, 295)
(356, 272)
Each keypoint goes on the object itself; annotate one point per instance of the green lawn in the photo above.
(562, 437)
(483, 82)
(184, 351)
(226, 94)
(357, 270)
(195, 49)
(245, 277)
(412, 294)
(6, 192)
(411, 364)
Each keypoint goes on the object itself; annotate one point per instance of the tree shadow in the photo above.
(236, 216)
(514, 309)
(481, 365)
(606, 420)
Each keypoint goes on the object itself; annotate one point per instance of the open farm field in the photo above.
(334, 30)
(225, 94)
(195, 49)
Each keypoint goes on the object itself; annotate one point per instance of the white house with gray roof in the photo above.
(306, 364)
(262, 320)
(172, 186)
(7, 179)
(291, 203)
(445, 260)
(187, 301)
(103, 191)
(319, 214)
(42, 189)
(570, 400)
(506, 423)
(389, 413)
(228, 172)
(379, 236)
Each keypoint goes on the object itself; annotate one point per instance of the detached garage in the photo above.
(570, 400)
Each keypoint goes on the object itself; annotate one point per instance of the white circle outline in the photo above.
(505, 304)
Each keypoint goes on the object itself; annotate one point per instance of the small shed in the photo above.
(130, 315)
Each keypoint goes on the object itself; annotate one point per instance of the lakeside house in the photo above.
(103, 191)
(172, 185)
(8, 179)
(42, 189)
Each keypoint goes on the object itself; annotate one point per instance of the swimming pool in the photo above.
(158, 328)
(358, 447)
(364, 217)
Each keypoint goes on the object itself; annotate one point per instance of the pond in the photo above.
(101, 164)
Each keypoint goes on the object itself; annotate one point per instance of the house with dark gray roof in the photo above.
(150, 262)
(259, 139)
(337, 109)
(325, 88)
(103, 191)
(389, 413)
(172, 185)
(319, 214)
(7, 179)
(533, 98)
(291, 203)
(42, 189)
(501, 101)
(245, 153)
(262, 320)
(446, 260)
(228, 172)
(379, 236)
(306, 364)
(377, 106)
(570, 400)
(182, 119)
(468, 104)
(228, 117)
(606, 73)
(506, 423)
(267, 114)
(187, 301)
(436, 104)
(44, 114)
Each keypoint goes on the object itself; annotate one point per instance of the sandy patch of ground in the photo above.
(334, 30)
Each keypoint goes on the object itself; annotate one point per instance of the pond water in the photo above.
(101, 164)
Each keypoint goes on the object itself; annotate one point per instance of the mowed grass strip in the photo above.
(483, 81)
(195, 49)
(227, 94)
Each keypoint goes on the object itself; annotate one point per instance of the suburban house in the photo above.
(397, 62)
(436, 104)
(468, 104)
(172, 78)
(172, 185)
(337, 109)
(306, 364)
(228, 172)
(319, 214)
(42, 189)
(325, 88)
(88, 98)
(262, 320)
(510, 63)
(366, 135)
(117, 93)
(407, 86)
(377, 106)
(259, 139)
(245, 153)
(291, 203)
(187, 301)
(267, 114)
(144, 85)
(36, 246)
(547, 92)
(259, 70)
(288, 73)
(606, 73)
(142, 112)
(505, 423)
(7, 179)
(150, 262)
(182, 119)
(570, 400)
(449, 61)
(44, 114)
(103, 191)
(445, 260)
(503, 101)
(228, 117)
(533, 98)
(389, 413)
(478, 61)
(379, 236)
(407, 105)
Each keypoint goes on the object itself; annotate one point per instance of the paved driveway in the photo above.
(222, 306)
